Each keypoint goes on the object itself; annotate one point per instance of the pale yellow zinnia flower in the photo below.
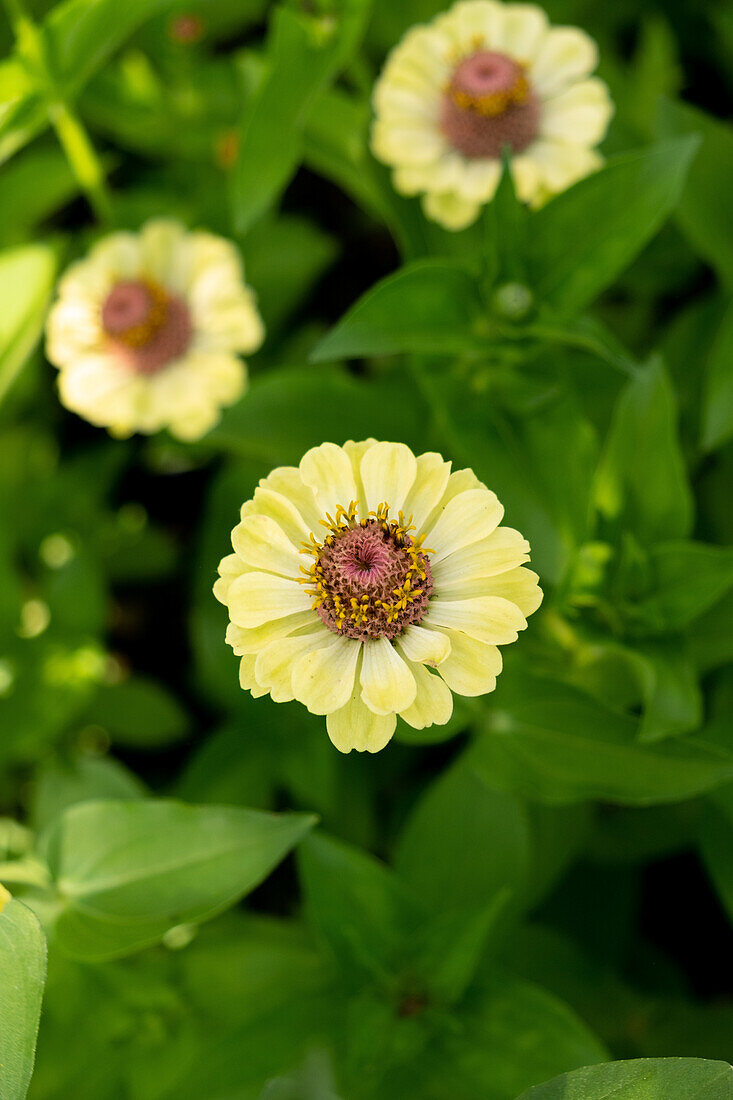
(367, 583)
(483, 78)
(148, 328)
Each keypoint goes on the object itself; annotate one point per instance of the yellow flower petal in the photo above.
(267, 502)
(327, 470)
(286, 481)
(520, 31)
(324, 679)
(387, 472)
(257, 598)
(355, 726)
(489, 618)
(470, 516)
(247, 679)
(450, 210)
(274, 664)
(245, 641)
(425, 647)
(386, 681)
(261, 543)
(433, 703)
(431, 479)
(565, 55)
(579, 115)
(503, 549)
(561, 165)
(472, 666)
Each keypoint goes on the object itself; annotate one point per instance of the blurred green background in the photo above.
(546, 882)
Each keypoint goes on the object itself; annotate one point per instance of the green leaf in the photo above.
(509, 1034)
(642, 478)
(32, 188)
(463, 843)
(285, 256)
(358, 906)
(60, 784)
(83, 34)
(428, 307)
(549, 742)
(672, 697)
(140, 713)
(303, 54)
(584, 238)
(716, 843)
(128, 871)
(23, 969)
(717, 412)
(644, 1079)
(26, 281)
(688, 578)
(704, 212)
(269, 423)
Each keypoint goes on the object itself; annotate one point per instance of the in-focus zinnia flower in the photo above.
(367, 583)
(483, 78)
(147, 331)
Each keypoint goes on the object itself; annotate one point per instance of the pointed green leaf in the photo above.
(584, 238)
(717, 412)
(304, 53)
(26, 282)
(642, 478)
(126, 872)
(23, 971)
(358, 906)
(549, 742)
(704, 211)
(643, 1079)
(428, 307)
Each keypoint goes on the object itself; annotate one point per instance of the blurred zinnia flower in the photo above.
(359, 573)
(483, 78)
(147, 331)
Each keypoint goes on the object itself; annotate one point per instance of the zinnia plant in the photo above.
(406, 327)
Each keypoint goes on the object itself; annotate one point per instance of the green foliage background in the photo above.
(545, 883)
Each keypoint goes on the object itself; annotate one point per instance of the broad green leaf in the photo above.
(506, 1034)
(688, 578)
(430, 307)
(585, 237)
(704, 212)
(288, 411)
(32, 188)
(61, 783)
(128, 871)
(644, 1079)
(139, 712)
(717, 412)
(672, 697)
(303, 54)
(23, 970)
(549, 742)
(284, 257)
(83, 34)
(358, 906)
(26, 282)
(641, 478)
(545, 488)
(716, 842)
(463, 843)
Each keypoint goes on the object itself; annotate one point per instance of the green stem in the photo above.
(72, 135)
(83, 158)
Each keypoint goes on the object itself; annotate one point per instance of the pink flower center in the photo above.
(370, 578)
(145, 326)
(489, 105)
